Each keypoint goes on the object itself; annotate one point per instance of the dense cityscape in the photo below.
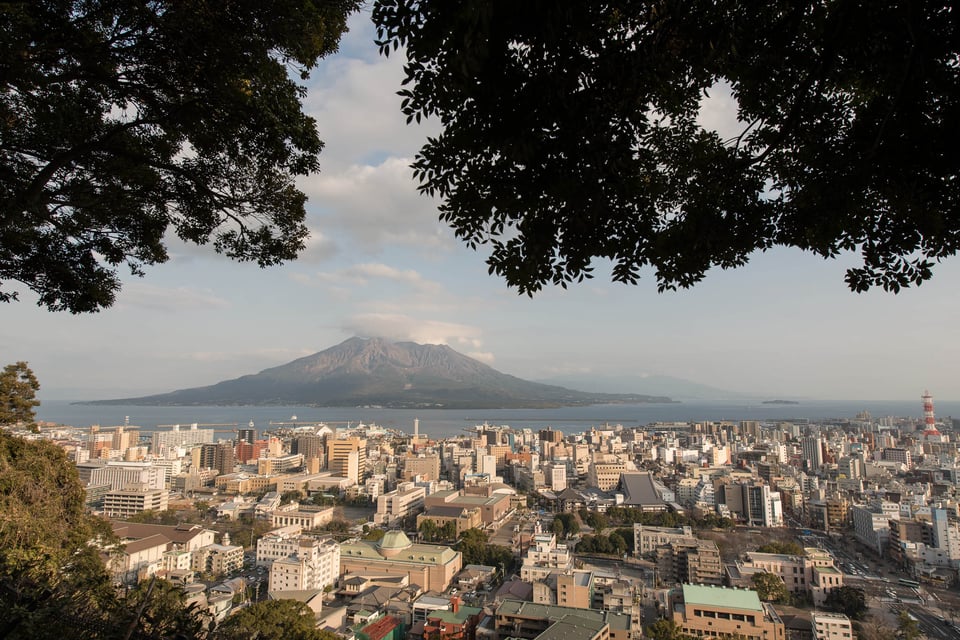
(805, 530)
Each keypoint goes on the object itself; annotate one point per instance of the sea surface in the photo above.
(446, 423)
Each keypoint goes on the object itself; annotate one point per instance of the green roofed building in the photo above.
(534, 621)
(430, 566)
(710, 611)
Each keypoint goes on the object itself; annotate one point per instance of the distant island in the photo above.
(780, 402)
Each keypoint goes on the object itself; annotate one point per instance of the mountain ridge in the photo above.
(378, 372)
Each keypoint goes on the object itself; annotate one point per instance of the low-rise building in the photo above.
(813, 572)
(544, 557)
(831, 626)
(646, 539)
(131, 501)
(708, 611)
(399, 504)
(529, 620)
(432, 567)
(457, 623)
(217, 559)
(304, 519)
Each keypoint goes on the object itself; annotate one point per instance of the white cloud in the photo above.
(357, 109)
(366, 274)
(170, 299)
(318, 247)
(376, 206)
(400, 328)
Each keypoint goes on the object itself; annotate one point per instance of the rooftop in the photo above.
(721, 597)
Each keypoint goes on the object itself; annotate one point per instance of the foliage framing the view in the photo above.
(123, 121)
(571, 132)
(18, 391)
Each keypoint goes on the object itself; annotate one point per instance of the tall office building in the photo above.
(813, 452)
(247, 435)
(341, 463)
(217, 456)
(309, 445)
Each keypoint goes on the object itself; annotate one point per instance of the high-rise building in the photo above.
(813, 452)
(247, 435)
(341, 463)
(310, 445)
(218, 456)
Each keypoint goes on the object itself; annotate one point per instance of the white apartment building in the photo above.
(163, 441)
(120, 475)
(314, 565)
(125, 503)
(831, 626)
(687, 490)
(871, 525)
(545, 557)
(401, 503)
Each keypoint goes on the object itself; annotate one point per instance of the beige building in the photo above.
(279, 464)
(696, 562)
(493, 507)
(399, 504)
(304, 519)
(433, 567)
(813, 573)
(575, 589)
(646, 539)
(347, 458)
(462, 517)
(709, 611)
(605, 475)
(424, 465)
(217, 559)
(242, 483)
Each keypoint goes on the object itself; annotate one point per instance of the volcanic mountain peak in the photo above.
(375, 371)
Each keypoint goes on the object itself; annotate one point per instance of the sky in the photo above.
(379, 263)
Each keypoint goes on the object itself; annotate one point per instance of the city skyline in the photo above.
(379, 263)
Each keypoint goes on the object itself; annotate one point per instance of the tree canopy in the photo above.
(273, 620)
(123, 122)
(787, 547)
(48, 568)
(571, 132)
(18, 390)
(770, 588)
(847, 600)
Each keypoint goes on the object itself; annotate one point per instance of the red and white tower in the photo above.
(928, 418)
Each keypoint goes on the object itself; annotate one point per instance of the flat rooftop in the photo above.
(746, 599)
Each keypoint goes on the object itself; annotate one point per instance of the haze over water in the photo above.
(446, 422)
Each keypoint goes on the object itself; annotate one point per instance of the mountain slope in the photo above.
(375, 371)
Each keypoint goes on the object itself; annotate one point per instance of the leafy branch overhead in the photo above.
(123, 121)
(571, 132)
